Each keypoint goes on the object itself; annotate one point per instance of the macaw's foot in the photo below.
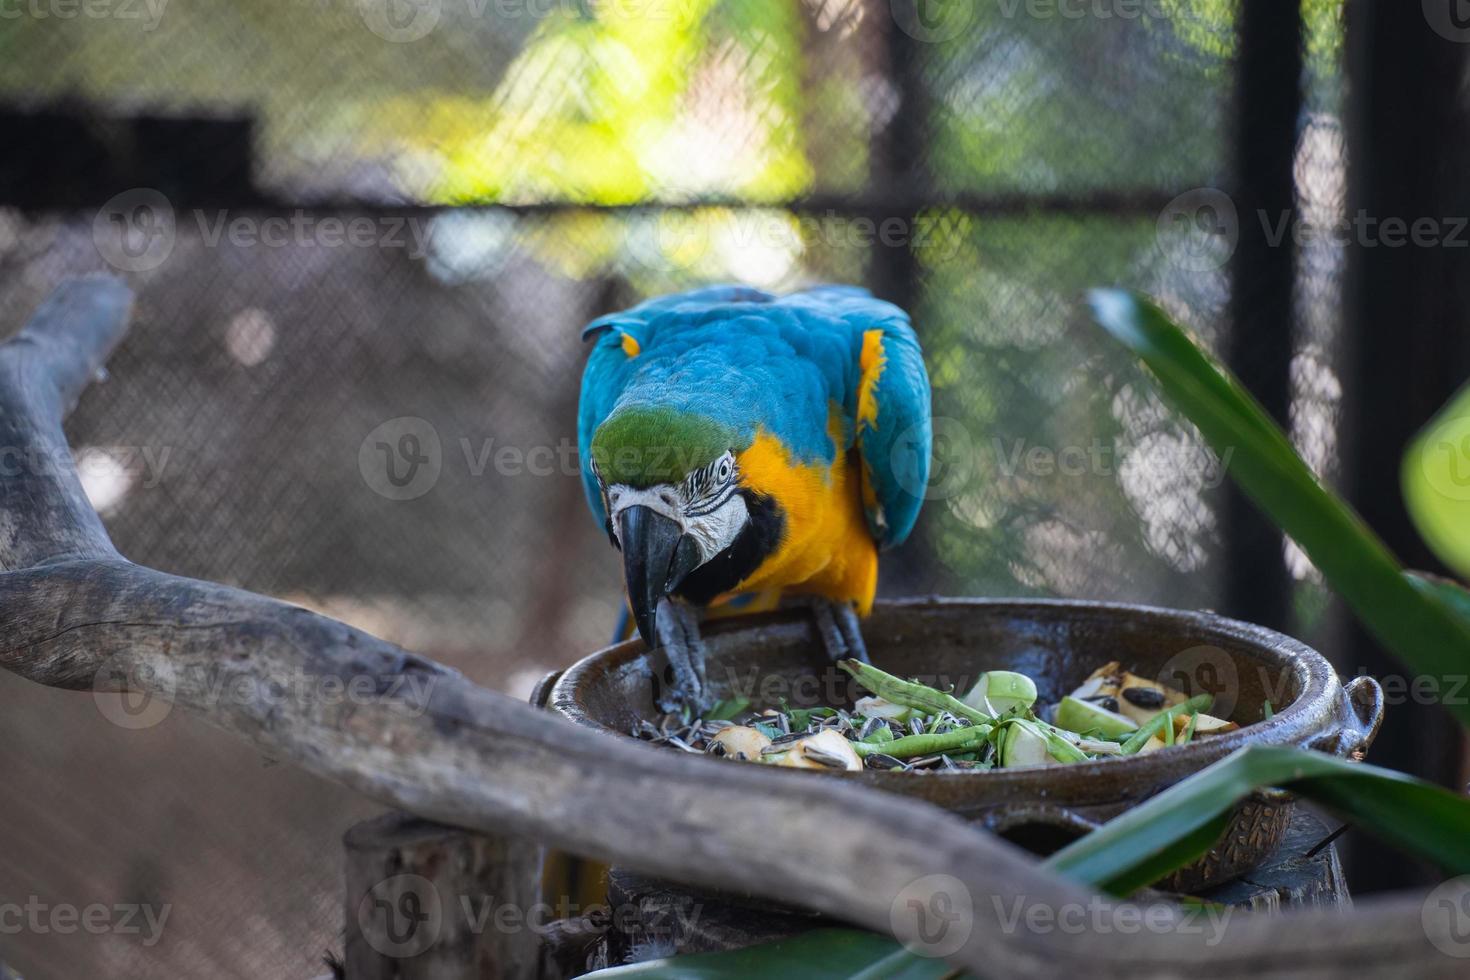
(677, 628)
(837, 623)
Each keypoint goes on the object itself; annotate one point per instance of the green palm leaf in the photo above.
(1417, 624)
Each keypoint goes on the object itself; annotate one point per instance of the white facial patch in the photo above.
(706, 505)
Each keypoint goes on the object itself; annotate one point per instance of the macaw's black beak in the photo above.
(656, 557)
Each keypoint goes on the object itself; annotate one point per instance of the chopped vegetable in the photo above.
(911, 693)
(740, 742)
(825, 750)
(1163, 719)
(906, 725)
(1002, 692)
(1083, 717)
(875, 707)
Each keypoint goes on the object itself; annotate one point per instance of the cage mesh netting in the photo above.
(439, 195)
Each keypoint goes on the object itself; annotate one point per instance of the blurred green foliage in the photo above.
(749, 104)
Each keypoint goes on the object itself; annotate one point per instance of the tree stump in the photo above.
(430, 902)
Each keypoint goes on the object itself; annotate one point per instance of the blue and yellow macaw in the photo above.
(738, 444)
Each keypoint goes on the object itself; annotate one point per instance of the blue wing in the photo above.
(896, 442)
(891, 419)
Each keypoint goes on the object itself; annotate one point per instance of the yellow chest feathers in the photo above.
(825, 547)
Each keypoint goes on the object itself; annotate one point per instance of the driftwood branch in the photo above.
(417, 736)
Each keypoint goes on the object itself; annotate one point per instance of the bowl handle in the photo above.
(1359, 713)
(541, 693)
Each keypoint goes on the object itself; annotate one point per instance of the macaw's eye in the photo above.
(723, 471)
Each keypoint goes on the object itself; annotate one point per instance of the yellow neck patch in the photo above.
(825, 547)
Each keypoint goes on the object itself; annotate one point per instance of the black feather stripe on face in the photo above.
(756, 542)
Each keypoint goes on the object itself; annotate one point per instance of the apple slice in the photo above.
(1128, 694)
(1204, 725)
(1081, 717)
(1002, 692)
(826, 749)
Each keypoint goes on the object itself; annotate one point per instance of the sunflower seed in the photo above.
(821, 758)
(1144, 697)
(878, 760)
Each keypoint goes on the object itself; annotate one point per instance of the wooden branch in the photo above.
(417, 736)
(43, 512)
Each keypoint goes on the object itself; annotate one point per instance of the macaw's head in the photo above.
(676, 507)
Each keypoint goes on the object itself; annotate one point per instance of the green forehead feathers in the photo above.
(645, 446)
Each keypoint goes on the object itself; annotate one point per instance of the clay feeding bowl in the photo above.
(1057, 643)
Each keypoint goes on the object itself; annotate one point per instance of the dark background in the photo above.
(563, 159)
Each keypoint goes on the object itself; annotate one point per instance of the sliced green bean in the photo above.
(1136, 741)
(959, 739)
(911, 694)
